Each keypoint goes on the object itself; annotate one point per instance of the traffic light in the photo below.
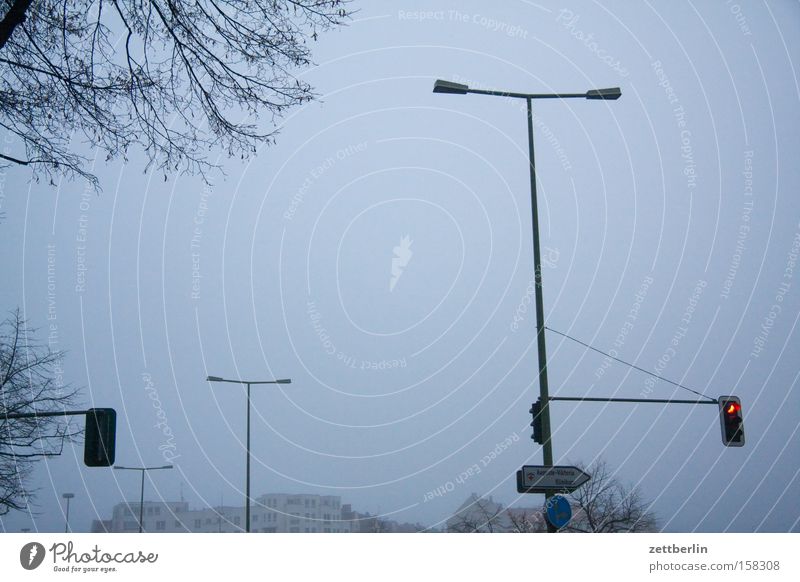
(731, 419)
(536, 409)
(100, 437)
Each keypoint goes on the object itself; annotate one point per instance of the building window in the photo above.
(198, 523)
(149, 511)
(255, 517)
(236, 520)
(294, 530)
(177, 523)
(161, 525)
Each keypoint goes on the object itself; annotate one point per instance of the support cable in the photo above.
(629, 364)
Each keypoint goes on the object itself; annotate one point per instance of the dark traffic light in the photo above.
(731, 419)
(100, 438)
(536, 410)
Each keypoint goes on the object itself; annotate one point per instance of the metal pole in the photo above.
(247, 492)
(66, 525)
(638, 400)
(547, 450)
(141, 503)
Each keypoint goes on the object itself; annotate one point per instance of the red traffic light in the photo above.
(733, 408)
(732, 421)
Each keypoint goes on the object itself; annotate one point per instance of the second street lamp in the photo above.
(141, 491)
(614, 93)
(67, 496)
(247, 480)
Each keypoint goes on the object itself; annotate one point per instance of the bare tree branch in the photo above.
(605, 505)
(27, 372)
(176, 79)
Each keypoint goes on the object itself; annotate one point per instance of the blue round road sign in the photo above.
(559, 511)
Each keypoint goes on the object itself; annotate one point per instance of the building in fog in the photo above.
(483, 514)
(366, 523)
(274, 512)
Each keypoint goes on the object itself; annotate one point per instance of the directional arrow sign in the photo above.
(541, 479)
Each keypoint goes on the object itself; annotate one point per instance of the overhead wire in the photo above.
(635, 367)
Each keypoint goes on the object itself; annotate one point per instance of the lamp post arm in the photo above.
(528, 95)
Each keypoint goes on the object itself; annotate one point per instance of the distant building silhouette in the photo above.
(274, 512)
(271, 513)
(366, 523)
(484, 515)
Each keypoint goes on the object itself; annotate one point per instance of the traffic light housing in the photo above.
(536, 411)
(100, 438)
(732, 421)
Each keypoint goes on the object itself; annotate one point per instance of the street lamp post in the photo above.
(247, 478)
(67, 496)
(603, 94)
(141, 494)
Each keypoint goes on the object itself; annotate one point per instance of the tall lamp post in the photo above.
(604, 94)
(67, 496)
(141, 494)
(247, 478)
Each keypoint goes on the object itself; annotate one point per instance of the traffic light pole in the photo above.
(547, 446)
(43, 414)
(730, 410)
(100, 443)
(652, 400)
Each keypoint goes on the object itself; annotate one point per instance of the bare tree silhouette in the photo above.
(173, 78)
(28, 383)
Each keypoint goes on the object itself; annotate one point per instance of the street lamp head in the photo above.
(607, 94)
(68, 495)
(449, 87)
(214, 379)
(284, 381)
